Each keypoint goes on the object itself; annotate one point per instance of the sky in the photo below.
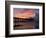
(24, 13)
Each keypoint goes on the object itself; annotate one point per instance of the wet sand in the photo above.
(24, 25)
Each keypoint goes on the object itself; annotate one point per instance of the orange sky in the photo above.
(24, 13)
